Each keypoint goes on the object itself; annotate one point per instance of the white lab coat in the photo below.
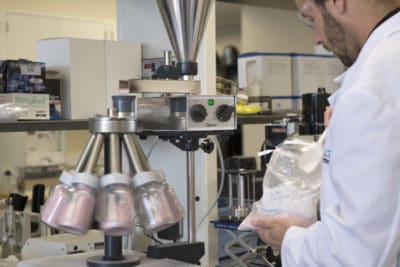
(360, 184)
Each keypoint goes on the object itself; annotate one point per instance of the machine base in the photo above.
(80, 260)
(183, 251)
(98, 261)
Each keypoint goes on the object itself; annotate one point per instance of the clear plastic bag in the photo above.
(287, 189)
(11, 112)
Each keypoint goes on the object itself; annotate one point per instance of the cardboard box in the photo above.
(311, 71)
(53, 88)
(37, 105)
(3, 84)
(287, 76)
(22, 76)
(90, 71)
(267, 74)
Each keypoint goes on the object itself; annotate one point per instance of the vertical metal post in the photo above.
(247, 177)
(253, 175)
(167, 57)
(191, 202)
(115, 153)
(240, 190)
(230, 192)
(112, 163)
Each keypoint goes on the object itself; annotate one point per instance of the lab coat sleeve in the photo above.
(360, 228)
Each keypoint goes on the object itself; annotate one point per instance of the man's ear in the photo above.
(337, 7)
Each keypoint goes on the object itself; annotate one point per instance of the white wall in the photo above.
(82, 8)
(261, 29)
(273, 30)
(228, 20)
(141, 22)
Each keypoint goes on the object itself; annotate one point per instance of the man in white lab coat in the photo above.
(360, 184)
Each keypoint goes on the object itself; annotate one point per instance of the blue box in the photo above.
(22, 76)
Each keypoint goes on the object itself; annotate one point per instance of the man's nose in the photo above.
(317, 38)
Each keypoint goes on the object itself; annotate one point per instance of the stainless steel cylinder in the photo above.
(240, 189)
(85, 154)
(167, 57)
(112, 125)
(115, 153)
(191, 202)
(135, 153)
(94, 153)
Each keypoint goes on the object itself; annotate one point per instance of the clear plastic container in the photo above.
(156, 204)
(77, 215)
(58, 198)
(114, 205)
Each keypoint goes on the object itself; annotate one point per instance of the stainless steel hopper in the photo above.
(185, 22)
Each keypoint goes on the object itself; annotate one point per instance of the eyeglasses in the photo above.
(307, 20)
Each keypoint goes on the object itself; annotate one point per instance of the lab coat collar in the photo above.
(387, 28)
(339, 79)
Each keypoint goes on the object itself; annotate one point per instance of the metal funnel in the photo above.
(185, 22)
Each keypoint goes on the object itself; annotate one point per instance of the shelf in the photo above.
(56, 125)
(281, 4)
(61, 125)
(259, 119)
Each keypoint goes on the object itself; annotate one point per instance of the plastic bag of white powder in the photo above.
(288, 191)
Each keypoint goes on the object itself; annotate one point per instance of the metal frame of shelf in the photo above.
(61, 125)
(56, 125)
(258, 119)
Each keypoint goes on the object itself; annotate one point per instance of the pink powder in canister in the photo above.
(114, 208)
(60, 195)
(77, 215)
(54, 206)
(157, 206)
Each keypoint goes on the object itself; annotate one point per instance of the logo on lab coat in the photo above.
(327, 156)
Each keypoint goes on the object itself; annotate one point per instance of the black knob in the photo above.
(207, 146)
(198, 113)
(38, 191)
(17, 201)
(224, 112)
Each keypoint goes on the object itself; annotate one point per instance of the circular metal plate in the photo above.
(164, 86)
(112, 125)
(98, 261)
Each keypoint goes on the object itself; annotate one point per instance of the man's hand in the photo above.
(272, 229)
(327, 116)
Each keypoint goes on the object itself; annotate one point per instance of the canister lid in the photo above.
(66, 177)
(114, 178)
(85, 178)
(143, 178)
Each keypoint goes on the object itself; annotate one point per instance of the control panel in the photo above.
(211, 113)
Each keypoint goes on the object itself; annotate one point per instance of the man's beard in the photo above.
(338, 41)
